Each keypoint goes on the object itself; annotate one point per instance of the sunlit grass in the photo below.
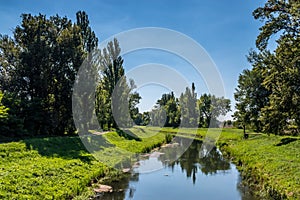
(274, 165)
(148, 140)
(61, 167)
(46, 168)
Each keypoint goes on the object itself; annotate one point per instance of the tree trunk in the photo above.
(246, 135)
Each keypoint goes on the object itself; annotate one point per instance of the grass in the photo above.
(46, 168)
(271, 164)
(148, 139)
(61, 167)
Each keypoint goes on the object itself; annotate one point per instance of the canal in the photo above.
(157, 177)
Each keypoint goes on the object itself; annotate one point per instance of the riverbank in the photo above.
(188, 177)
(269, 164)
(60, 167)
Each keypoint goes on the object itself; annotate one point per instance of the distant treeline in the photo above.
(187, 110)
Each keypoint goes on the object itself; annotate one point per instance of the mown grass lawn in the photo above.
(271, 164)
(59, 167)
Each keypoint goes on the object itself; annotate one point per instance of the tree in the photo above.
(268, 94)
(145, 119)
(279, 16)
(158, 116)
(3, 116)
(211, 107)
(282, 80)
(166, 111)
(89, 39)
(134, 100)
(9, 60)
(88, 71)
(251, 96)
(187, 111)
(173, 112)
(102, 106)
(3, 109)
(188, 105)
(39, 66)
(115, 99)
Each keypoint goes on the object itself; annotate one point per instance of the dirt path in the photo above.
(101, 133)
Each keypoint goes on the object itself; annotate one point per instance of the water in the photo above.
(190, 177)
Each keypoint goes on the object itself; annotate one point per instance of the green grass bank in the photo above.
(61, 167)
(269, 164)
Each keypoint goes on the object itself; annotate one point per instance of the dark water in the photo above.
(189, 177)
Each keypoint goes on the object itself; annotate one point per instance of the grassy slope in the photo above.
(149, 140)
(271, 164)
(48, 168)
(57, 167)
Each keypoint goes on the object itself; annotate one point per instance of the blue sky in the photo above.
(226, 29)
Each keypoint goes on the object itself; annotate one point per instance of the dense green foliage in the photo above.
(188, 111)
(268, 95)
(166, 111)
(38, 69)
(188, 107)
(211, 107)
(3, 110)
(115, 100)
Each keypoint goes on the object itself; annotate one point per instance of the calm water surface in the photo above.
(190, 177)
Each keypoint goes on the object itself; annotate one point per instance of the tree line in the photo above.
(188, 110)
(268, 94)
(38, 67)
(39, 63)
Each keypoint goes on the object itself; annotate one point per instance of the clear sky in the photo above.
(226, 29)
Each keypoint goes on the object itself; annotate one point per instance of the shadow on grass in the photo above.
(129, 135)
(142, 130)
(95, 143)
(285, 141)
(68, 147)
(254, 135)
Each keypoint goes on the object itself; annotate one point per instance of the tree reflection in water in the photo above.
(192, 160)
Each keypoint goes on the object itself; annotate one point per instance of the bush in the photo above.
(168, 137)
